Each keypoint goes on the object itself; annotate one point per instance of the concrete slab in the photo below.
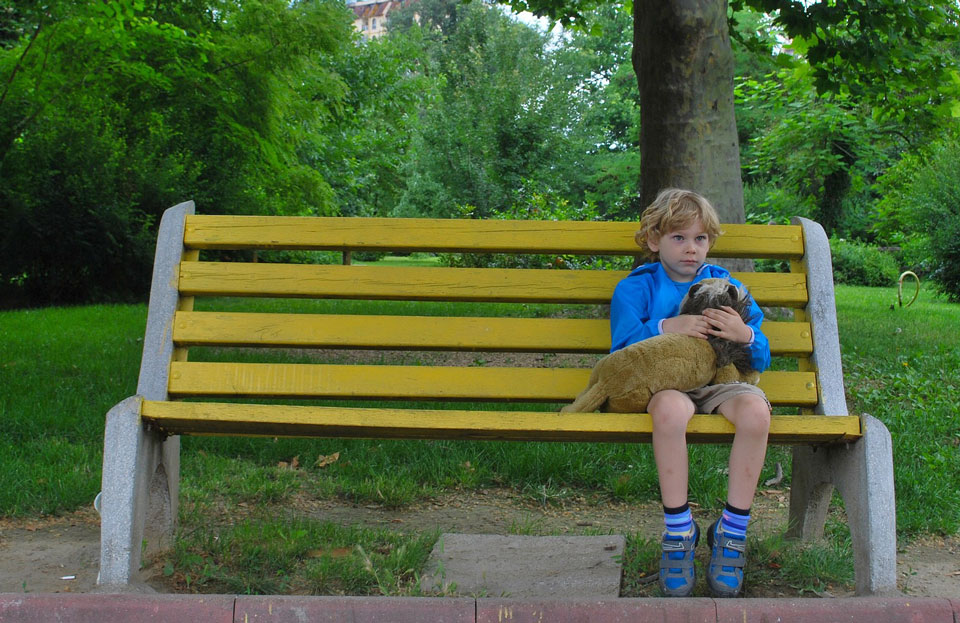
(525, 566)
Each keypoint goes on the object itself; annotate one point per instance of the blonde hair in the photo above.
(672, 210)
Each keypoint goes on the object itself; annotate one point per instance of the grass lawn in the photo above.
(61, 369)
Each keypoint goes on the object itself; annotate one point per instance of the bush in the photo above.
(72, 232)
(859, 264)
(920, 211)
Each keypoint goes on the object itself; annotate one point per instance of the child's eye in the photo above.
(702, 238)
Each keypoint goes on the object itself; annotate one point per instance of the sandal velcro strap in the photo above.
(673, 547)
(724, 543)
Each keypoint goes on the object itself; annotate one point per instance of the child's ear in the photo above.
(653, 243)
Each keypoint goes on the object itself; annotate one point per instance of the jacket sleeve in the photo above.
(629, 316)
(760, 348)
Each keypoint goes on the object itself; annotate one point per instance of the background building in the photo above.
(370, 16)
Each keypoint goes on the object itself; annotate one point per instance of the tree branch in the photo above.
(246, 60)
(16, 68)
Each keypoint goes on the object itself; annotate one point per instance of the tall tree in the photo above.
(682, 56)
(688, 131)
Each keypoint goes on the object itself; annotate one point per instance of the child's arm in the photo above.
(631, 312)
(627, 324)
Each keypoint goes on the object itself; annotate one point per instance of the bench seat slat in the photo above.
(286, 380)
(309, 421)
(441, 284)
(455, 235)
(562, 335)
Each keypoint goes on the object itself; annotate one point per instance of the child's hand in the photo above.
(727, 324)
(694, 326)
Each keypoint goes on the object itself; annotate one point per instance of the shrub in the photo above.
(920, 211)
(859, 264)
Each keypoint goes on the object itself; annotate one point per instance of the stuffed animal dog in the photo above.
(625, 380)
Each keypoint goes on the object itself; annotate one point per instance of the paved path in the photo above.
(110, 608)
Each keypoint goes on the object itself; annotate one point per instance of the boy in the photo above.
(676, 231)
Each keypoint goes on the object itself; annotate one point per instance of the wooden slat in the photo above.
(454, 235)
(308, 421)
(393, 332)
(441, 284)
(211, 379)
(427, 333)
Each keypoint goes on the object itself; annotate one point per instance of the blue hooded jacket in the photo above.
(647, 296)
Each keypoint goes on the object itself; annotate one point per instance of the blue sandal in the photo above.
(677, 575)
(727, 557)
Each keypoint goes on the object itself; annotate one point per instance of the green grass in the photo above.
(265, 554)
(61, 369)
(901, 365)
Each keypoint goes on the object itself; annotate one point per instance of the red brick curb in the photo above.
(639, 610)
(139, 608)
(354, 610)
(107, 608)
(697, 610)
(874, 610)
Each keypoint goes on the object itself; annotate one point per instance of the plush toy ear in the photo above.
(733, 292)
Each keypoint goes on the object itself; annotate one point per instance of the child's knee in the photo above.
(670, 411)
(754, 416)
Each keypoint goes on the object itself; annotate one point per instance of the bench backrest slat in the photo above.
(383, 382)
(441, 284)
(557, 335)
(454, 235)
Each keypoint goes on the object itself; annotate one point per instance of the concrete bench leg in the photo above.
(140, 485)
(863, 474)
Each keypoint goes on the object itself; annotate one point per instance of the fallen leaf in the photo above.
(293, 464)
(327, 459)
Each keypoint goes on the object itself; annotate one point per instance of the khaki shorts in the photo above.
(708, 399)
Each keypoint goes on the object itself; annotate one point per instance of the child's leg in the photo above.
(750, 414)
(671, 412)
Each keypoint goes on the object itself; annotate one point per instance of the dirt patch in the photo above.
(62, 554)
(54, 555)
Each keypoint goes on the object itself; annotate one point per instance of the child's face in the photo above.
(683, 251)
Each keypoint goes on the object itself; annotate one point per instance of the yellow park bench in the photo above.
(177, 396)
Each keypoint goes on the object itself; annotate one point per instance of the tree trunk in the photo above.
(688, 132)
